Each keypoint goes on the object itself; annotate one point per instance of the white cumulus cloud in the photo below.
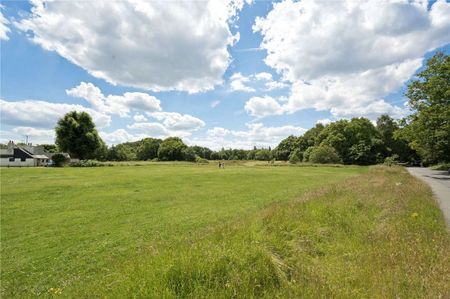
(346, 56)
(115, 104)
(256, 134)
(263, 106)
(156, 45)
(42, 114)
(4, 29)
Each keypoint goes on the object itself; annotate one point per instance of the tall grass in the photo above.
(380, 235)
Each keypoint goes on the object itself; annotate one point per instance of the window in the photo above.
(11, 159)
(23, 159)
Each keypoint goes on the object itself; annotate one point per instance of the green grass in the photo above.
(186, 230)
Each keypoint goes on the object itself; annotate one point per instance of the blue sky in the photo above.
(219, 74)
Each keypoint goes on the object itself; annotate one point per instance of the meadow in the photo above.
(168, 230)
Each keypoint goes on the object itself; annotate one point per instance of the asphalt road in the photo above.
(440, 184)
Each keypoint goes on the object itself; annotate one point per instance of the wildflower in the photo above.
(414, 215)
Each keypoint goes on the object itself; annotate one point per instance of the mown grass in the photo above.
(63, 228)
(377, 235)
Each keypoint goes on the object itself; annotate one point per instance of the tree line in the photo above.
(423, 136)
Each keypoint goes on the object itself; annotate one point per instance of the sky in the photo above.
(228, 73)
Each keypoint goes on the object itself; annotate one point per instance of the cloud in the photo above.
(346, 56)
(239, 82)
(256, 135)
(178, 122)
(139, 118)
(214, 104)
(4, 29)
(151, 129)
(119, 136)
(263, 106)
(41, 114)
(157, 45)
(324, 121)
(115, 104)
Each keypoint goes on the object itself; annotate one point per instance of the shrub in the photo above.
(324, 154)
(59, 160)
(189, 154)
(392, 160)
(296, 156)
(307, 153)
(201, 160)
(89, 163)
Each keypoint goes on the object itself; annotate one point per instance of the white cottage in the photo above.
(25, 156)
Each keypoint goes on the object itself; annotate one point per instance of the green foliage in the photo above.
(295, 156)
(310, 137)
(171, 149)
(324, 154)
(285, 148)
(77, 135)
(201, 160)
(307, 153)
(50, 148)
(391, 161)
(59, 160)
(148, 149)
(189, 154)
(263, 155)
(89, 163)
(428, 128)
(393, 145)
(202, 152)
(356, 141)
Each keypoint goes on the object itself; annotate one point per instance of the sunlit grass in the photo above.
(200, 232)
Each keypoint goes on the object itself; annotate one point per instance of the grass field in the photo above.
(184, 230)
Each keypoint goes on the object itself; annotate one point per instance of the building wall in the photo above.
(5, 162)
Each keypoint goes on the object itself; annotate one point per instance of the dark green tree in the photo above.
(285, 148)
(77, 135)
(427, 129)
(59, 160)
(148, 149)
(393, 146)
(171, 149)
(324, 154)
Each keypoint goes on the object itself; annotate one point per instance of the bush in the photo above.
(201, 160)
(324, 154)
(390, 161)
(89, 163)
(296, 156)
(307, 153)
(189, 154)
(442, 166)
(59, 160)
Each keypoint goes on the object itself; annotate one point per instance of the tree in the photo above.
(286, 147)
(189, 154)
(77, 135)
(148, 149)
(356, 141)
(171, 149)
(393, 146)
(324, 154)
(427, 129)
(263, 155)
(295, 156)
(59, 160)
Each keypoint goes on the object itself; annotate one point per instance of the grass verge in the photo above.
(379, 235)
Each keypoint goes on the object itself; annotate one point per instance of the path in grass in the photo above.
(66, 227)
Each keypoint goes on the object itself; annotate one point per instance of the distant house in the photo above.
(25, 156)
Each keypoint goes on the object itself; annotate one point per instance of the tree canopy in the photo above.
(427, 129)
(77, 135)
